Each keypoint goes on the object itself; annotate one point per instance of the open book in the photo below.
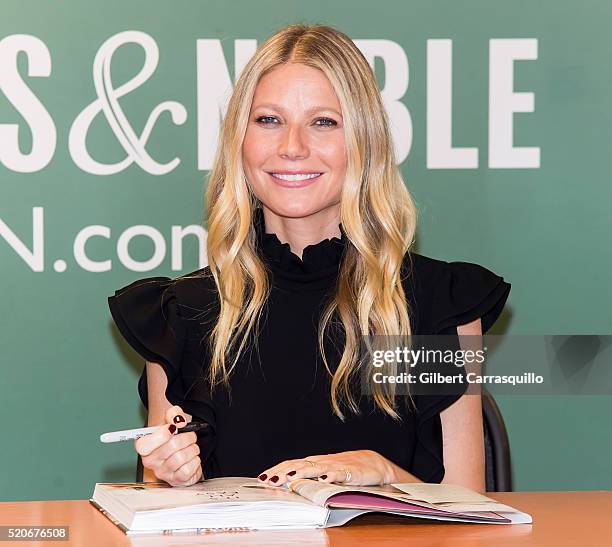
(245, 503)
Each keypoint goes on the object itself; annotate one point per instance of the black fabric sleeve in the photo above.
(147, 316)
(465, 291)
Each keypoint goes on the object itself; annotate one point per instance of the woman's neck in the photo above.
(299, 232)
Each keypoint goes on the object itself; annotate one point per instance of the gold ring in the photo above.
(311, 463)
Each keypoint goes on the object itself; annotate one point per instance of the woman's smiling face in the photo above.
(295, 130)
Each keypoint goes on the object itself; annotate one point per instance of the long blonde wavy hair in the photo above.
(377, 213)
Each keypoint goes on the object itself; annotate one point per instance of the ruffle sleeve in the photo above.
(464, 292)
(448, 294)
(147, 316)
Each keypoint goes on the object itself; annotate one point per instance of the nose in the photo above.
(293, 144)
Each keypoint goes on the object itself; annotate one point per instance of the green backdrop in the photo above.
(541, 219)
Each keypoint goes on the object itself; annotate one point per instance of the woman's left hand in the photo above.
(355, 468)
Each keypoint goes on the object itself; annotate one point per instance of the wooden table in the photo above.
(559, 518)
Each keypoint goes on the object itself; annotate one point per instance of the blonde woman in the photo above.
(309, 233)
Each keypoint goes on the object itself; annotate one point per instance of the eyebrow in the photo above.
(311, 110)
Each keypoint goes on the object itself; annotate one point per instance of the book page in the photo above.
(320, 492)
(441, 493)
(315, 491)
(451, 498)
(160, 496)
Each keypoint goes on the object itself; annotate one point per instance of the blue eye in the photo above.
(258, 120)
(328, 120)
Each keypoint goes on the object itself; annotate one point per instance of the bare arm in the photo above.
(462, 430)
(157, 382)
(158, 404)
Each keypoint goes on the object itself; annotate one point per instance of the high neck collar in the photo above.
(317, 269)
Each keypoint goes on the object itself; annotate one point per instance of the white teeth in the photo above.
(304, 176)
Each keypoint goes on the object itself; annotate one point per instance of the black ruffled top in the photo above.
(318, 267)
(279, 405)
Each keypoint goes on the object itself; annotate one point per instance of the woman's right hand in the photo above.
(173, 458)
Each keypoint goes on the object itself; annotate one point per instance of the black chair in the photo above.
(498, 471)
(139, 466)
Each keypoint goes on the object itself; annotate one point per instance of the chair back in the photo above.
(498, 470)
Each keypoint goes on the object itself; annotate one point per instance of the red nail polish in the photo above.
(323, 477)
(274, 478)
(178, 419)
(172, 428)
(291, 473)
(262, 477)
